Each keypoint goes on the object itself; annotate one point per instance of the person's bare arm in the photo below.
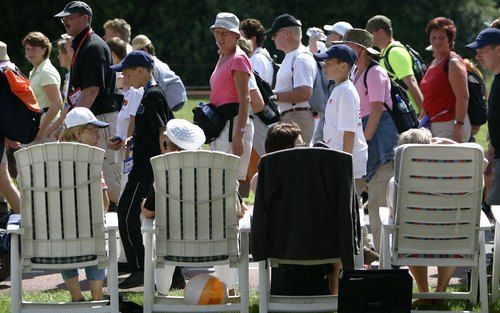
(295, 95)
(145, 212)
(373, 120)
(256, 101)
(55, 99)
(105, 199)
(348, 142)
(458, 81)
(415, 92)
(241, 83)
(87, 97)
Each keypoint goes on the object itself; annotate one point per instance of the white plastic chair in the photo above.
(62, 217)
(437, 219)
(495, 278)
(195, 225)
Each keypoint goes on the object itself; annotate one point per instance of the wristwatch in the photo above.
(456, 122)
(242, 129)
(273, 97)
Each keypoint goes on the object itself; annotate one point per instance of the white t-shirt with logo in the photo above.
(342, 114)
(303, 74)
(131, 100)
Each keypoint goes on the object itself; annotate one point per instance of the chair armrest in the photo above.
(495, 209)
(111, 221)
(245, 223)
(148, 226)
(385, 217)
(484, 222)
(14, 224)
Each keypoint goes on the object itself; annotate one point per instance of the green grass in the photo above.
(137, 297)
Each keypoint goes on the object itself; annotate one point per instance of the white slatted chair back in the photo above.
(62, 201)
(196, 206)
(438, 201)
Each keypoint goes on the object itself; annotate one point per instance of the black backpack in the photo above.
(476, 109)
(402, 111)
(270, 114)
(17, 121)
(418, 64)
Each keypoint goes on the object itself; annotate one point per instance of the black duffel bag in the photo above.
(212, 120)
(375, 291)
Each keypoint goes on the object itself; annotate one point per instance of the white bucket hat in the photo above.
(82, 116)
(228, 21)
(184, 134)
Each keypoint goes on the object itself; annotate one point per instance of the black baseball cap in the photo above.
(75, 7)
(137, 58)
(282, 21)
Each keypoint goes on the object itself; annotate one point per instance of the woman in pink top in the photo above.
(374, 88)
(229, 82)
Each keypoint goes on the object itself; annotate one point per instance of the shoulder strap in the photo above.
(372, 64)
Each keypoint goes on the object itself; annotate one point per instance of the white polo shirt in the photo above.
(262, 64)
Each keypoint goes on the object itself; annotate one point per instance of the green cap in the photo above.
(378, 22)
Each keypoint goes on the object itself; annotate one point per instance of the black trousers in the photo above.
(129, 223)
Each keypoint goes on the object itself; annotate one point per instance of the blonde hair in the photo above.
(69, 134)
(472, 68)
(245, 45)
(120, 26)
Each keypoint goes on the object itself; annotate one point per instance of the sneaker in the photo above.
(136, 279)
(124, 268)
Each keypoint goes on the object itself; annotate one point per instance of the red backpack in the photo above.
(19, 110)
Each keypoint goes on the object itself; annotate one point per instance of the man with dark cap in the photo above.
(394, 57)
(92, 83)
(295, 79)
(487, 48)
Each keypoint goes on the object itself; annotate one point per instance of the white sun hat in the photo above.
(184, 134)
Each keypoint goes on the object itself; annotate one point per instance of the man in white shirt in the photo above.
(295, 78)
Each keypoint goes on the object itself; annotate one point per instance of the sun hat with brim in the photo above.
(339, 28)
(361, 38)
(184, 134)
(139, 42)
(82, 116)
(228, 21)
(75, 7)
(488, 36)
(3, 52)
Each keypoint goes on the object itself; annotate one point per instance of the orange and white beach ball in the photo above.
(205, 289)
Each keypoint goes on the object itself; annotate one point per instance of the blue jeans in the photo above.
(382, 144)
(91, 272)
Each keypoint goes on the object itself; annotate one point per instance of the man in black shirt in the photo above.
(487, 47)
(147, 142)
(92, 83)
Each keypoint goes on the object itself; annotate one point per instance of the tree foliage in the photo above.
(180, 29)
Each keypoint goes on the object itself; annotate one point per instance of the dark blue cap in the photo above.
(136, 58)
(73, 7)
(340, 52)
(488, 36)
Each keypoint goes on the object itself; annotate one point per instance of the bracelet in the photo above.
(457, 122)
(241, 129)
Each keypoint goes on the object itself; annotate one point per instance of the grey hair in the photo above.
(421, 136)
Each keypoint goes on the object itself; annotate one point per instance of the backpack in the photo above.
(418, 64)
(270, 114)
(320, 92)
(19, 110)
(476, 108)
(402, 111)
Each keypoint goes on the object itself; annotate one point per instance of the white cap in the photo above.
(339, 28)
(184, 134)
(82, 116)
(3, 52)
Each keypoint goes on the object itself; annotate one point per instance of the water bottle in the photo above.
(401, 105)
(207, 110)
